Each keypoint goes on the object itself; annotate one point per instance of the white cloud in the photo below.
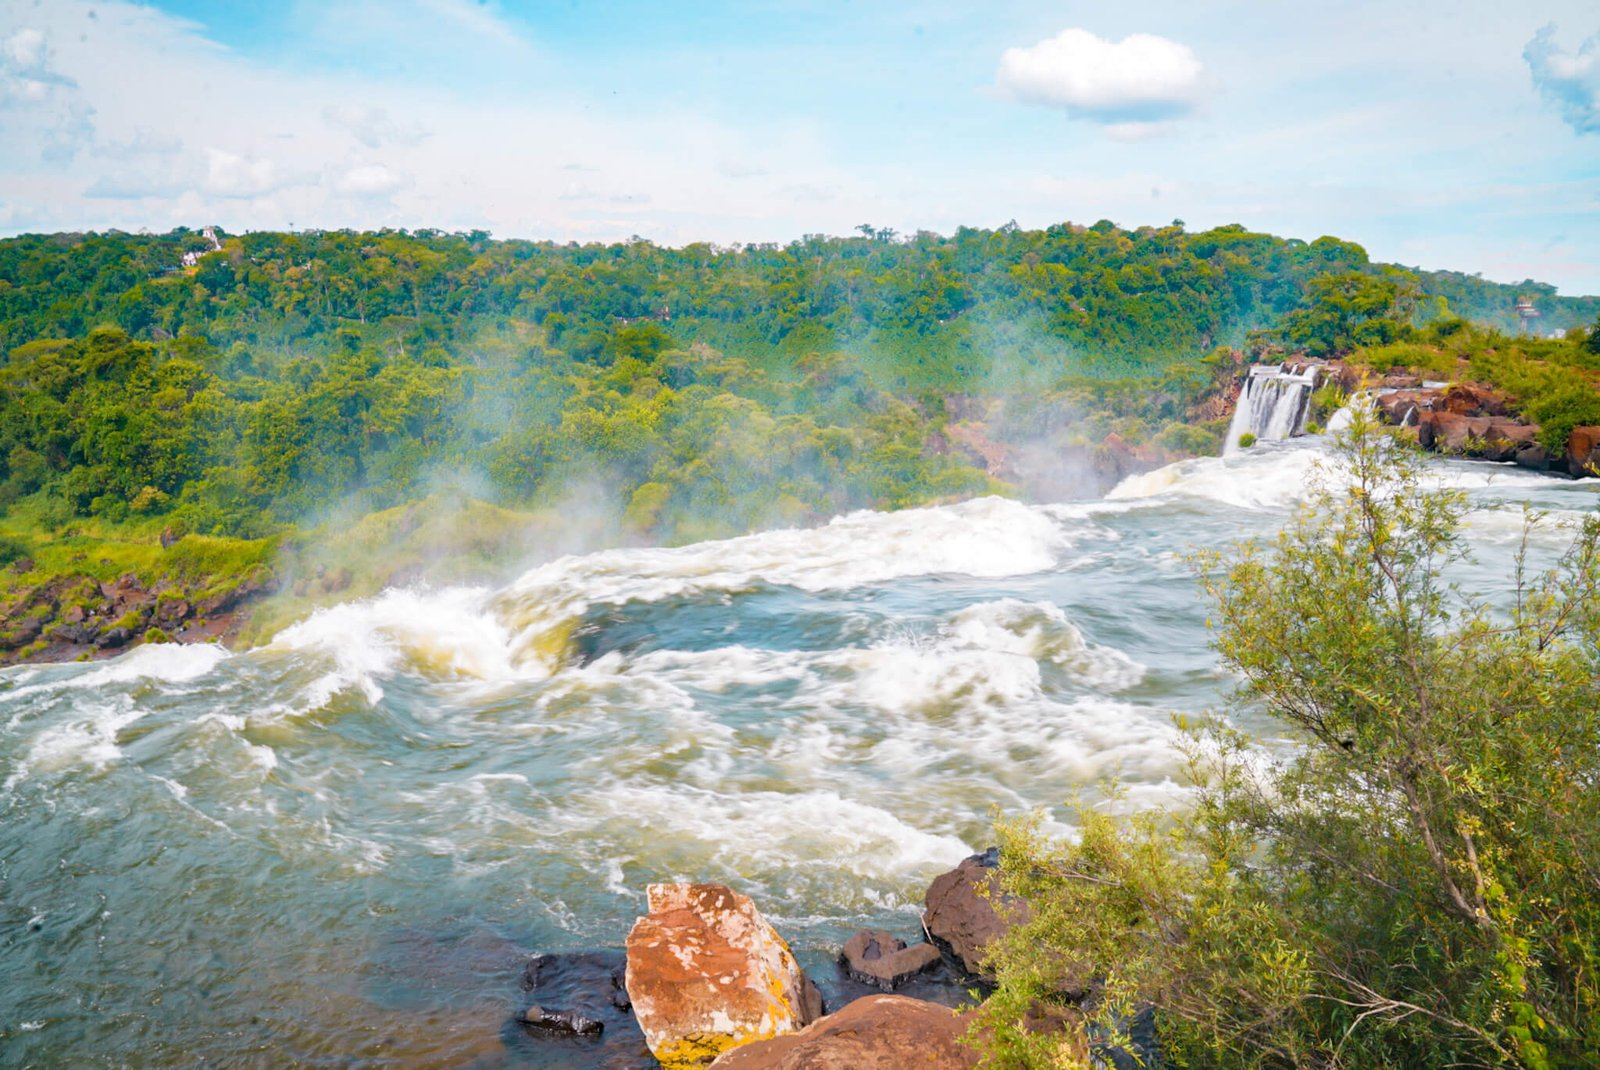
(24, 49)
(370, 180)
(372, 126)
(1128, 84)
(1569, 80)
(230, 175)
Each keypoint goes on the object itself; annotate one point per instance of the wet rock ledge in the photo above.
(706, 981)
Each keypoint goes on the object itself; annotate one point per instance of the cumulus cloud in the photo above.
(231, 175)
(1129, 85)
(370, 180)
(1568, 80)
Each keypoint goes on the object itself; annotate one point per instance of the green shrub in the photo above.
(1246, 440)
(1413, 883)
(13, 548)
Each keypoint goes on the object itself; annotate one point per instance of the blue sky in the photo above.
(1462, 135)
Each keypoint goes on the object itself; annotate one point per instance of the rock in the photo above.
(1534, 457)
(1583, 451)
(873, 1033)
(1473, 399)
(74, 614)
(113, 638)
(1449, 432)
(561, 1023)
(168, 538)
(1505, 438)
(577, 987)
(877, 958)
(22, 565)
(1402, 405)
(706, 973)
(960, 921)
(172, 610)
(1401, 381)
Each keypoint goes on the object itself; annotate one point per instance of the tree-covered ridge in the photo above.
(699, 391)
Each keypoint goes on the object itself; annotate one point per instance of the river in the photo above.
(337, 849)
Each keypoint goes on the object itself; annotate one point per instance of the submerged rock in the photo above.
(706, 973)
(961, 921)
(882, 960)
(580, 1015)
(874, 1033)
(561, 1023)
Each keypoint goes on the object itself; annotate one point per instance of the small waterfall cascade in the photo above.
(1272, 405)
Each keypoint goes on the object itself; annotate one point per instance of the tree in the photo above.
(1417, 881)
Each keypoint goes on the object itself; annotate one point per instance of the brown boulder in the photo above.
(961, 921)
(877, 958)
(1397, 407)
(873, 1033)
(1401, 381)
(707, 973)
(1449, 432)
(1583, 451)
(1473, 399)
(1506, 438)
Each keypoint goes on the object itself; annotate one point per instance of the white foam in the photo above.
(1263, 478)
(165, 663)
(444, 633)
(984, 537)
(88, 740)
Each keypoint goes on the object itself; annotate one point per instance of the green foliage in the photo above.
(1247, 440)
(1351, 309)
(1412, 884)
(13, 548)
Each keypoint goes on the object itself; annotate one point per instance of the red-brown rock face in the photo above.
(873, 1033)
(706, 973)
(1583, 451)
(961, 920)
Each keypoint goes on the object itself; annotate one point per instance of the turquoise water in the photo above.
(338, 849)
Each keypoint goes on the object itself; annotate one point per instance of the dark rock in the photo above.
(22, 565)
(1402, 381)
(171, 611)
(960, 921)
(74, 615)
(586, 986)
(168, 538)
(878, 1032)
(1534, 457)
(877, 958)
(560, 1023)
(113, 638)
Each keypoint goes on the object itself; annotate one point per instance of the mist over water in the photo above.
(341, 846)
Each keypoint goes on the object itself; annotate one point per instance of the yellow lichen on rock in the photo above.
(706, 973)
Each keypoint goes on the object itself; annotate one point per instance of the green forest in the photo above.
(697, 391)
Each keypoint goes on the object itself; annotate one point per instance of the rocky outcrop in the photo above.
(577, 1002)
(1583, 451)
(873, 1033)
(961, 921)
(1473, 399)
(884, 961)
(706, 973)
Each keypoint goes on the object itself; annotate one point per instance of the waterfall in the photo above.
(1272, 405)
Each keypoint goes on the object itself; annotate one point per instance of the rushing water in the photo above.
(337, 849)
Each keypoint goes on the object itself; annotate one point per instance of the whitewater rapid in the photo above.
(343, 839)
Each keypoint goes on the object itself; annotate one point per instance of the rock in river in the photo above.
(873, 1033)
(706, 973)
